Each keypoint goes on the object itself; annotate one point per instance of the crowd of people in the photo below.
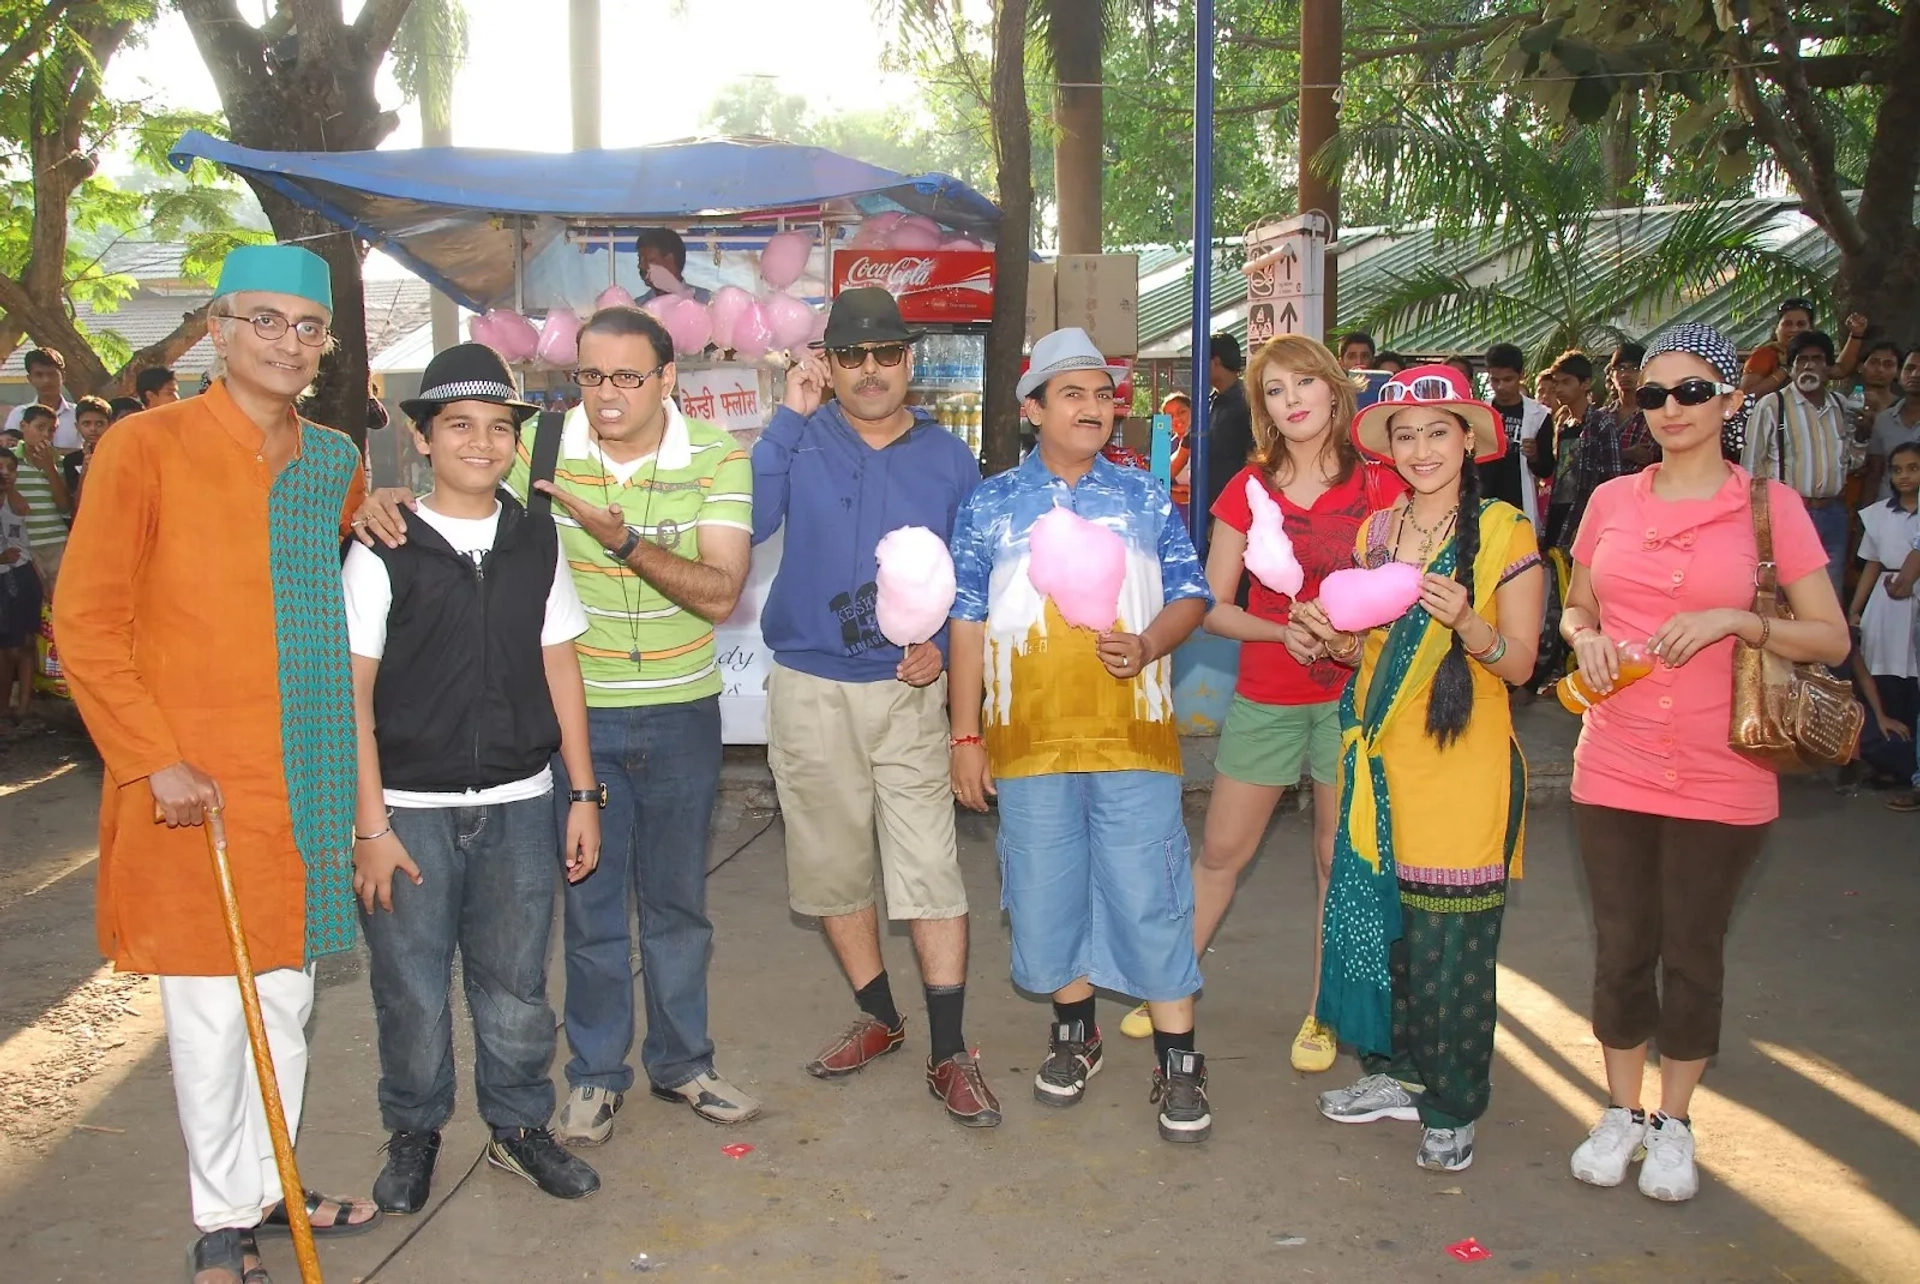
(506, 692)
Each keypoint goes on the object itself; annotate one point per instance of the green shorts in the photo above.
(1267, 744)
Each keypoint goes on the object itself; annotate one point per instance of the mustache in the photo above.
(1089, 421)
(870, 385)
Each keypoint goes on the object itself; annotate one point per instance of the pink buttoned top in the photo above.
(1659, 746)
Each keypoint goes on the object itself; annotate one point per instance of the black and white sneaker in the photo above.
(1180, 1090)
(532, 1153)
(1073, 1057)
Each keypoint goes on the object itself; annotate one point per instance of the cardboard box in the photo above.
(1040, 313)
(1100, 293)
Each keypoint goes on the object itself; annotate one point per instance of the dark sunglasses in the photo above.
(1688, 392)
(885, 355)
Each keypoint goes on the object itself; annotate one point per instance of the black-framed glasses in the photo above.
(618, 378)
(1688, 392)
(885, 355)
(271, 326)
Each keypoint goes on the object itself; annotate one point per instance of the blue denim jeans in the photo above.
(661, 767)
(1096, 878)
(487, 876)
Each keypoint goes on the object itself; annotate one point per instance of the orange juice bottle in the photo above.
(1577, 697)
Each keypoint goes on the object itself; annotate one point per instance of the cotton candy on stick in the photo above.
(1269, 557)
(915, 585)
(1356, 599)
(1080, 565)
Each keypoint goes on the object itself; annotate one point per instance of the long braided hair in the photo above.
(1450, 705)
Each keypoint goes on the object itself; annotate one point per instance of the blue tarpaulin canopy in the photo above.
(451, 213)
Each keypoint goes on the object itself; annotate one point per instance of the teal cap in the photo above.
(277, 269)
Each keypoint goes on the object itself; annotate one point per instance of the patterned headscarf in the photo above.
(1712, 347)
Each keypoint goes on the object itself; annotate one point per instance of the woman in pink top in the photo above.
(1670, 818)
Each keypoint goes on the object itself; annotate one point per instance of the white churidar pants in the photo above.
(230, 1164)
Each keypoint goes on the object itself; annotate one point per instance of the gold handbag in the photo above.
(1786, 716)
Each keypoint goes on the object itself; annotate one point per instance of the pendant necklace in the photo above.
(646, 512)
(1428, 538)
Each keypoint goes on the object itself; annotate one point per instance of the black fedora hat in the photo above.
(866, 315)
(466, 372)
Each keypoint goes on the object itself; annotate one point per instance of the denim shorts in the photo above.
(1095, 875)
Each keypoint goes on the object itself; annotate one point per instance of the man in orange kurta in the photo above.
(204, 638)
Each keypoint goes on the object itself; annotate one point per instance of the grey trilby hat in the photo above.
(1057, 353)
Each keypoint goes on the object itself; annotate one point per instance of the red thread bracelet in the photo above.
(954, 742)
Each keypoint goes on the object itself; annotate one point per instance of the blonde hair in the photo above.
(1298, 354)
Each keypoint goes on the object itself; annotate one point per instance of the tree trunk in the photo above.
(1320, 56)
(1079, 151)
(1884, 282)
(1013, 148)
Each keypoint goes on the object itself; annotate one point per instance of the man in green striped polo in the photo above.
(655, 512)
(45, 490)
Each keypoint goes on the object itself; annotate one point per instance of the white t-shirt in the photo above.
(1886, 625)
(13, 534)
(369, 594)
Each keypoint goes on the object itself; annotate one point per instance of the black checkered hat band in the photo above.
(482, 389)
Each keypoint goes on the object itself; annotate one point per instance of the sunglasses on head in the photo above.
(1425, 388)
(885, 355)
(1688, 392)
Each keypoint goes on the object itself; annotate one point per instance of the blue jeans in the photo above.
(486, 886)
(1096, 878)
(1831, 522)
(661, 767)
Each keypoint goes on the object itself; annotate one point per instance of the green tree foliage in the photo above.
(62, 215)
(910, 142)
(1822, 93)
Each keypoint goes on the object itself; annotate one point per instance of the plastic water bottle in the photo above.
(1576, 697)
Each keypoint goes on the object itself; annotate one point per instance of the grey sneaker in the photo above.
(712, 1098)
(1377, 1096)
(1668, 1174)
(587, 1117)
(1446, 1150)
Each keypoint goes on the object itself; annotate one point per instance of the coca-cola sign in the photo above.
(932, 286)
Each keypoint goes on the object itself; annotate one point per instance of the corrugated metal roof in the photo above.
(1370, 259)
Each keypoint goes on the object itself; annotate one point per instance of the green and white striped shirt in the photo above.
(46, 525)
(699, 477)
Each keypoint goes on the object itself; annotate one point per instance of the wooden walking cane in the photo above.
(292, 1193)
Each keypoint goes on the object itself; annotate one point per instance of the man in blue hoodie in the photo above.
(857, 727)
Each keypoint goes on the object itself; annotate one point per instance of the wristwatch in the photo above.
(596, 795)
(627, 546)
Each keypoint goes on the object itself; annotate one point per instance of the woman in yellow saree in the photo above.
(1433, 786)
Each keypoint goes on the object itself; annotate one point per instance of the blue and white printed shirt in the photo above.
(1050, 705)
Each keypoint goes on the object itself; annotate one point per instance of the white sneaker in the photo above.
(1669, 1174)
(1615, 1142)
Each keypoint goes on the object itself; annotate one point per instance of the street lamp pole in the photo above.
(1200, 422)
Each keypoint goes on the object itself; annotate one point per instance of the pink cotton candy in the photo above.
(915, 583)
(729, 301)
(1080, 565)
(662, 279)
(790, 319)
(560, 339)
(614, 296)
(1357, 599)
(785, 258)
(1269, 556)
(517, 339)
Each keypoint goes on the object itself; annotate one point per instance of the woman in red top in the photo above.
(1286, 706)
(1670, 819)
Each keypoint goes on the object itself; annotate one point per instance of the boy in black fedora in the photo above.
(465, 683)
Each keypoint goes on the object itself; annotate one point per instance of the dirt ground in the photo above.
(1809, 1137)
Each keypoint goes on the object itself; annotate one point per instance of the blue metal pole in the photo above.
(1200, 422)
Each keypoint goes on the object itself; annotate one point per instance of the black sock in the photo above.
(1163, 1043)
(876, 1000)
(946, 1004)
(1079, 1010)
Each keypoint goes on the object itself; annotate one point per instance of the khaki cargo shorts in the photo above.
(856, 761)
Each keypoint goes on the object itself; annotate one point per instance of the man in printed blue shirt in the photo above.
(1073, 730)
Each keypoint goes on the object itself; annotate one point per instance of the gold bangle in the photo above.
(1766, 631)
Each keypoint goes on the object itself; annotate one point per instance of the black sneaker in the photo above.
(406, 1180)
(534, 1154)
(1072, 1058)
(1180, 1090)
